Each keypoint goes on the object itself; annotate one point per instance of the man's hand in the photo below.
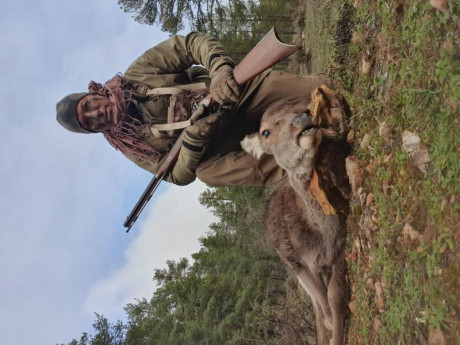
(205, 127)
(199, 133)
(224, 88)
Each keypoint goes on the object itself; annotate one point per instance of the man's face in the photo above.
(97, 113)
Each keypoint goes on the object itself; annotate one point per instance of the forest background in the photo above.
(397, 63)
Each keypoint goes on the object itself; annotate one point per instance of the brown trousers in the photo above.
(225, 162)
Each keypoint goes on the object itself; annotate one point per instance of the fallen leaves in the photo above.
(352, 256)
(354, 172)
(379, 295)
(351, 136)
(366, 65)
(385, 131)
(369, 199)
(320, 196)
(352, 307)
(356, 38)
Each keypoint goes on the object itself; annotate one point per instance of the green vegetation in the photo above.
(236, 291)
(405, 289)
(238, 24)
(397, 63)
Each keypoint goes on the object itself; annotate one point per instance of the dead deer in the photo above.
(308, 239)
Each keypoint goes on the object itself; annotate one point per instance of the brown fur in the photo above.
(309, 241)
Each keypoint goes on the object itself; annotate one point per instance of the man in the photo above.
(141, 113)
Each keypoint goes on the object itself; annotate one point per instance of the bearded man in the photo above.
(142, 112)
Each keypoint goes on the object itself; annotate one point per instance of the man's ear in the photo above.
(251, 144)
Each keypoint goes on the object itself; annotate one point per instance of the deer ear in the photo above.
(251, 144)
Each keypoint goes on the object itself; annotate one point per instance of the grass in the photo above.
(405, 291)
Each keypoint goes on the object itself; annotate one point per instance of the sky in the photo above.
(64, 253)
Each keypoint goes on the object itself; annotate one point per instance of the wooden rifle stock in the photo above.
(264, 55)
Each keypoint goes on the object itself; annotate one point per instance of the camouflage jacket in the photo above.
(170, 64)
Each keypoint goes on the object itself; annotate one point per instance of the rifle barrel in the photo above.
(148, 192)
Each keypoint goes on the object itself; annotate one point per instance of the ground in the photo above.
(397, 62)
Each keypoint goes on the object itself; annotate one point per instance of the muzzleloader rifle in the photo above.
(264, 55)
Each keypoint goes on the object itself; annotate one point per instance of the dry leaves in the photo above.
(352, 307)
(369, 199)
(351, 136)
(379, 295)
(366, 65)
(385, 131)
(356, 38)
(320, 196)
(354, 172)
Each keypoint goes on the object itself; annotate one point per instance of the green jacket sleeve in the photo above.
(176, 55)
(183, 171)
(157, 68)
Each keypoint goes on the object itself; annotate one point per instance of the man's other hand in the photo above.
(224, 88)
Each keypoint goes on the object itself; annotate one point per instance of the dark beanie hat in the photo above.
(66, 110)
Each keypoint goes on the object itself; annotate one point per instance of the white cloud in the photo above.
(65, 196)
(171, 231)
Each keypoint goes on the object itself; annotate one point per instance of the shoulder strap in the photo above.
(175, 90)
(171, 126)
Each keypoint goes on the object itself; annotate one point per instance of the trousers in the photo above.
(225, 162)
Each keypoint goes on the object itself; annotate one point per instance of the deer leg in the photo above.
(338, 298)
(314, 286)
(321, 330)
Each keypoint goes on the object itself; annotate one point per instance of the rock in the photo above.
(410, 141)
(410, 233)
(365, 141)
(436, 337)
(417, 152)
(439, 4)
(421, 159)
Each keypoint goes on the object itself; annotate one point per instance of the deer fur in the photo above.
(309, 241)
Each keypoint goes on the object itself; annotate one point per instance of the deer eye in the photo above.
(266, 133)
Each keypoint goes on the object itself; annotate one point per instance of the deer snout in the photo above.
(304, 120)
